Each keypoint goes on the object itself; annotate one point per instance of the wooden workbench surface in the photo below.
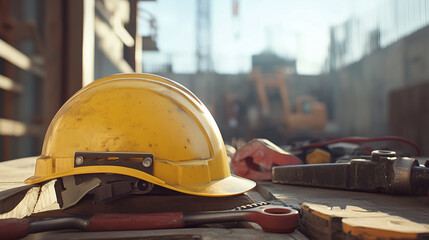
(410, 208)
(341, 214)
(13, 173)
(415, 208)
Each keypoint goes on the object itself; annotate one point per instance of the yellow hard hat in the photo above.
(105, 125)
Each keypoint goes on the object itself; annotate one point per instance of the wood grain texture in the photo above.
(175, 234)
(391, 227)
(414, 208)
(323, 213)
(14, 172)
(323, 222)
(409, 114)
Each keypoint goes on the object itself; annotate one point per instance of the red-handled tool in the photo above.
(277, 219)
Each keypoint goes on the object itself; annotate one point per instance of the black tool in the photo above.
(382, 172)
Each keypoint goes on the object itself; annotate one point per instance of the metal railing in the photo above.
(384, 25)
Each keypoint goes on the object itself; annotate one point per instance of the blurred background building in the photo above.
(283, 70)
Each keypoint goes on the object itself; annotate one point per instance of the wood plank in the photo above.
(103, 31)
(54, 83)
(14, 172)
(11, 197)
(10, 85)
(323, 222)
(131, 53)
(20, 204)
(175, 234)
(9, 70)
(14, 128)
(19, 59)
(88, 42)
(116, 26)
(73, 47)
(17, 170)
(392, 227)
(138, 54)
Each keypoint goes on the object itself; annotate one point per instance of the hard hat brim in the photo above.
(229, 186)
(232, 185)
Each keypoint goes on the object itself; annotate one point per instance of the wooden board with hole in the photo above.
(323, 222)
(342, 214)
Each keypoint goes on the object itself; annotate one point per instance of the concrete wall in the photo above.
(358, 97)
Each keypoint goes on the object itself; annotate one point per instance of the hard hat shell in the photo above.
(141, 113)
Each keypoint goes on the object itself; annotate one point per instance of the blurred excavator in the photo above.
(306, 118)
(310, 115)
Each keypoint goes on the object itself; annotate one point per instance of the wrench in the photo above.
(271, 218)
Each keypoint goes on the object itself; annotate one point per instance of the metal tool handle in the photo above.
(13, 228)
(122, 222)
(277, 219)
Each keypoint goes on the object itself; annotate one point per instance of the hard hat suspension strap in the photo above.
(139, 161)
(104, 188)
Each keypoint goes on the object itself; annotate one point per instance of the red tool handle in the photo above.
(122, 222)
(13, 228)
(276, 219)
